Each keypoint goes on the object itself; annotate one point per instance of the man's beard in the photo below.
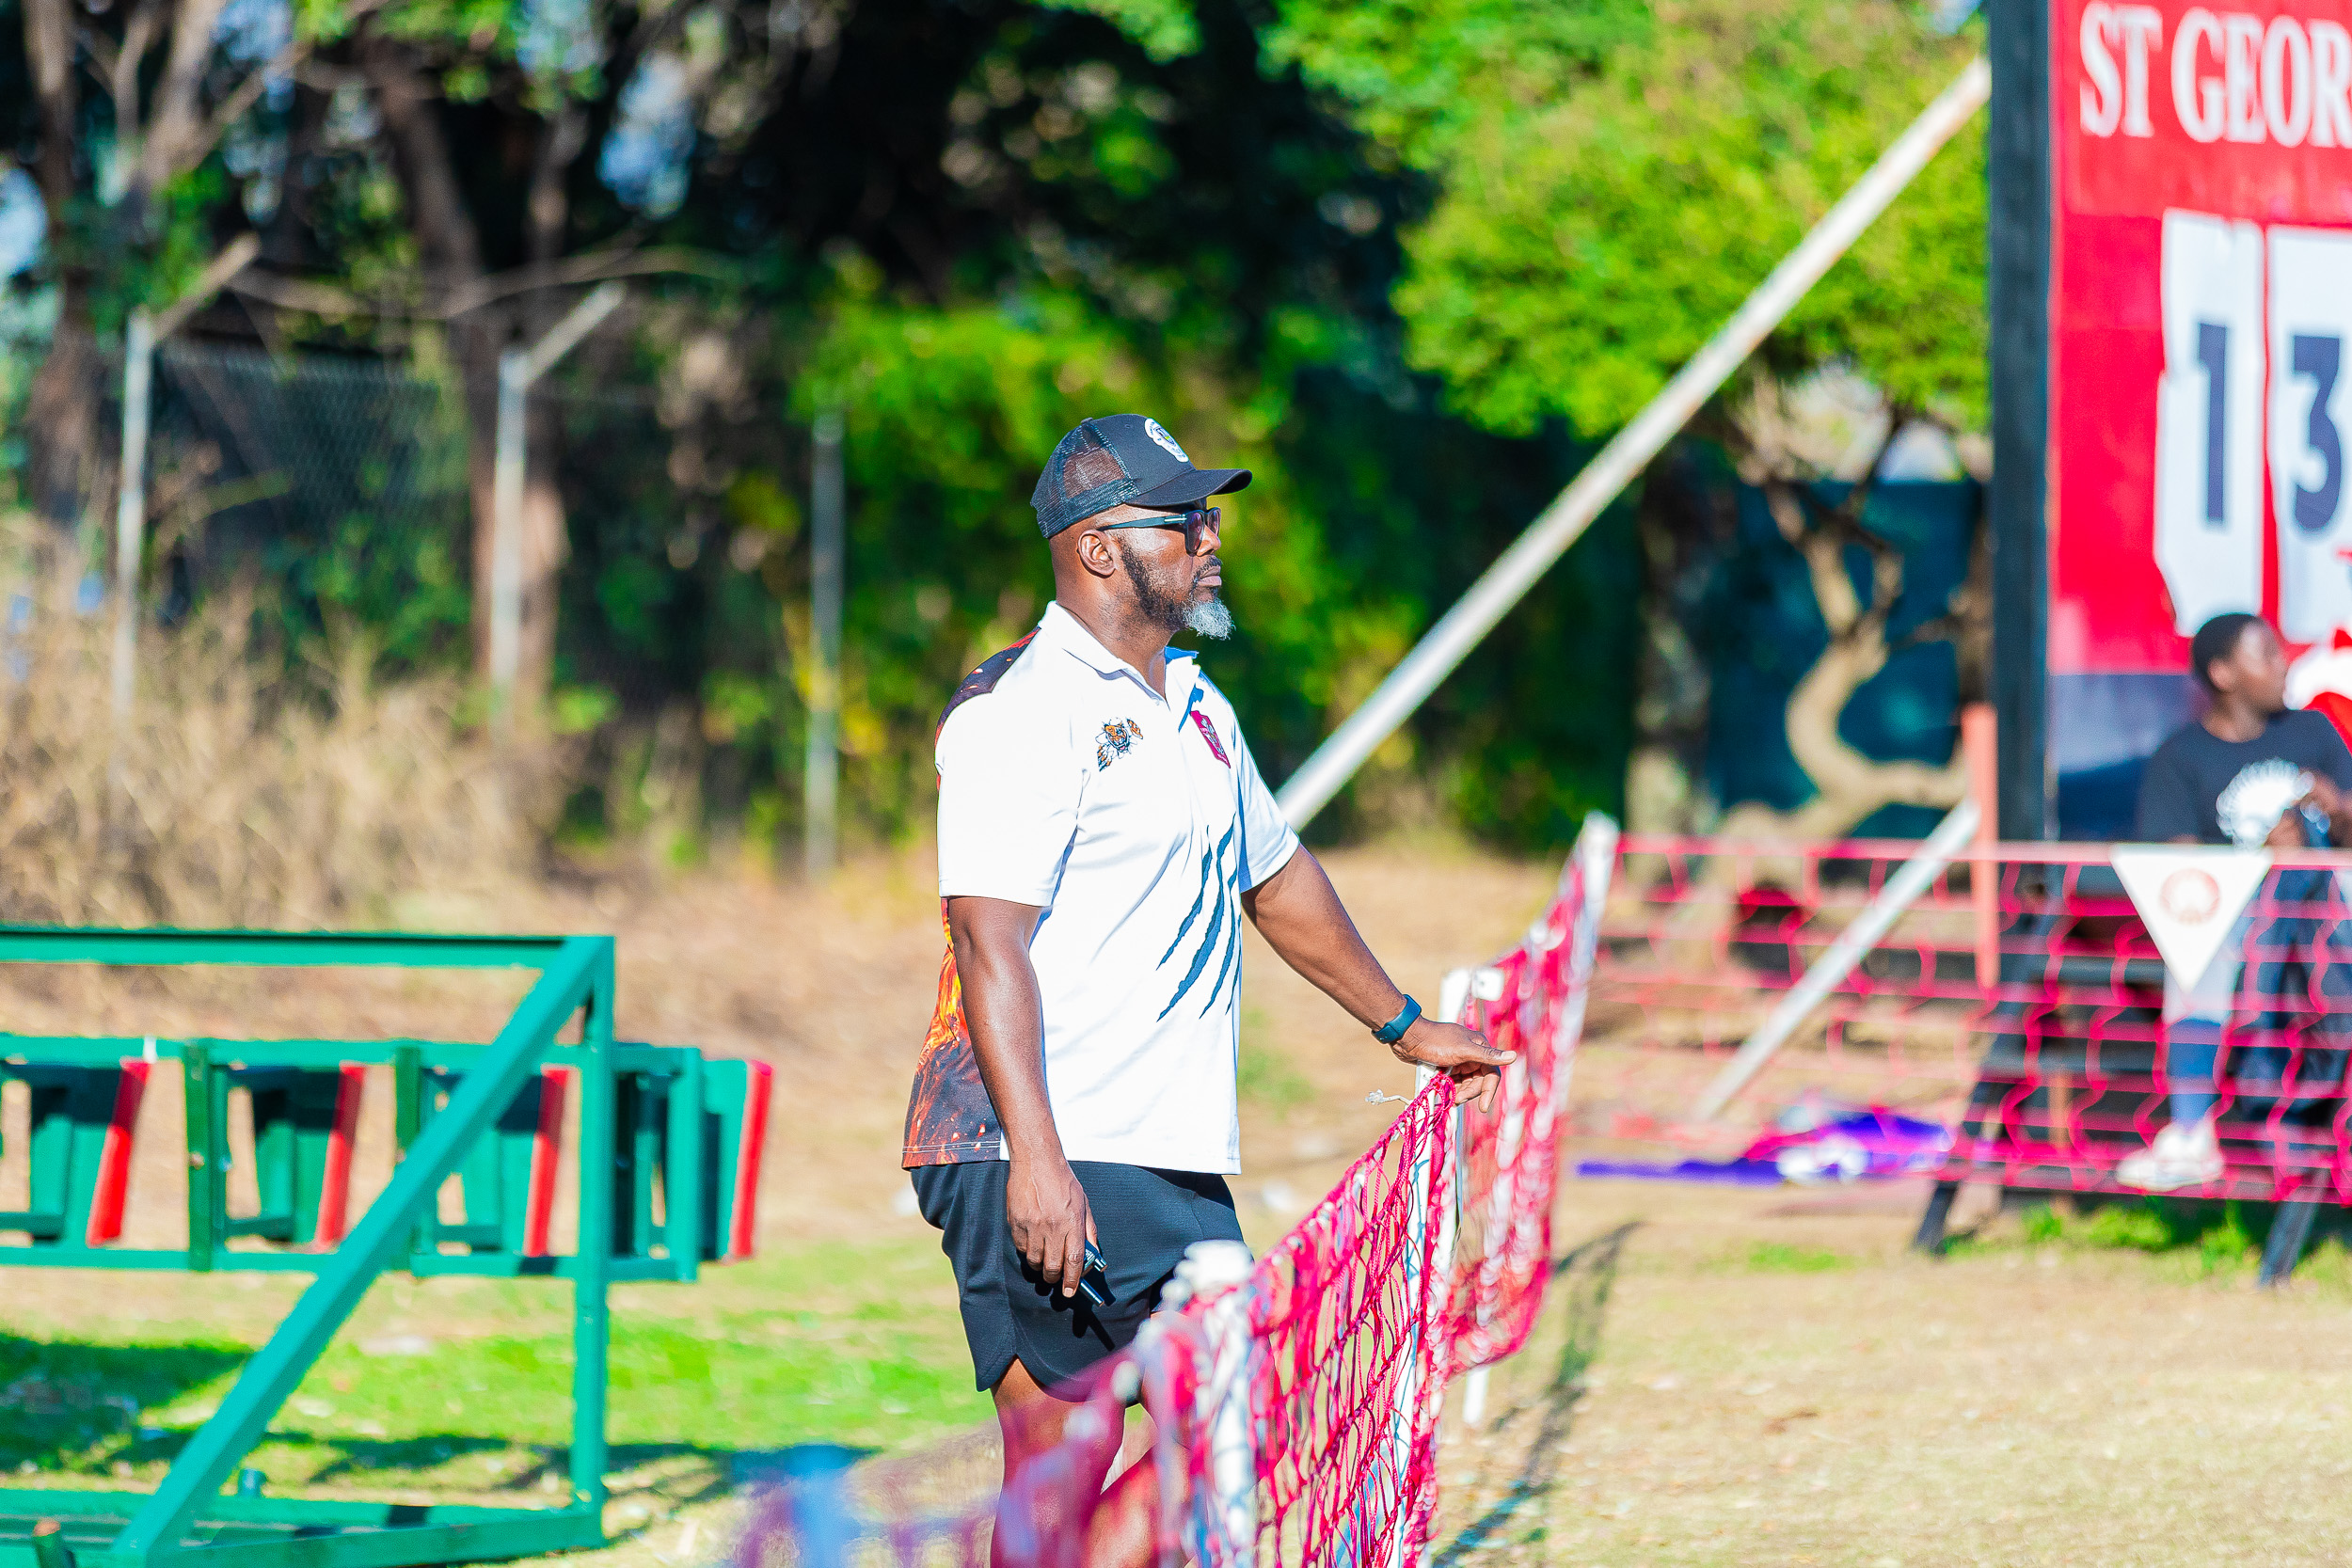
(1164, 605)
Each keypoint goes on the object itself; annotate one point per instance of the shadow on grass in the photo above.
(1583, 1278)
(72, 1412)
(57, 1398)
(687, 1473)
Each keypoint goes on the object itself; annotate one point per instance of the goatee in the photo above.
(1209, 617)
(1176, 610)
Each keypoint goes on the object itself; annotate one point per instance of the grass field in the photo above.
(458, 1389)
(1750, 1377)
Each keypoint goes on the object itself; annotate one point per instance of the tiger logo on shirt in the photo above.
(1118, 738)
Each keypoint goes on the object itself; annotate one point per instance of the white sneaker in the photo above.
(2179, 1157)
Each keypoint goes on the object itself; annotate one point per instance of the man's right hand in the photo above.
(1051, 1223)
(1474, 1063)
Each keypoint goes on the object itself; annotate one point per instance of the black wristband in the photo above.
(1393, 1031)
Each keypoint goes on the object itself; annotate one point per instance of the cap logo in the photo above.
(1165, 441)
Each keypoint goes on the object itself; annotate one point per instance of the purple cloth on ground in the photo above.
(1815, 1142)
(1726, 1173)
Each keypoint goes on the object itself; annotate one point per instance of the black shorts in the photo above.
(1143, 1221)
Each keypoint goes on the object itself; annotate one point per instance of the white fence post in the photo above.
(821, 764)
(138, 364)
(1225, 1521)
(141, 333)
(506, 538)
(1596, 857)
(517, 369)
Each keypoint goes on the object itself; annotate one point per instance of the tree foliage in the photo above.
(1585, 246)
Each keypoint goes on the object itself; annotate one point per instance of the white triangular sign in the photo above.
(2190, 896)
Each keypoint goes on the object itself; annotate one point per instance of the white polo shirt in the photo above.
(1135, 821)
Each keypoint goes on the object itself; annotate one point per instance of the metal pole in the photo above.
(141, 333)
(506, 540)
(592, 1334)
(821, 775)
(2019, 177)
(138, 364)
(1224, 1525)
(1508, 580)
(517, 369)
(1951, 837)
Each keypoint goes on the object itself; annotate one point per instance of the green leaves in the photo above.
(1164, 28)
(1591, 235)
(1419, 74)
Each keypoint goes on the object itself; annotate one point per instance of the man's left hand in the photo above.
(2333, 805)
(1461, 1054)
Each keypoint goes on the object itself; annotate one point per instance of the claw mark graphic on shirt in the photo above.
(1232, 951)
(1214, 883)
(1193, 913)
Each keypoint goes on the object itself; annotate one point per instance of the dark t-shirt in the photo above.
(2234, 791)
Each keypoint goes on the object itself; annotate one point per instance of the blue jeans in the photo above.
(2301, 935)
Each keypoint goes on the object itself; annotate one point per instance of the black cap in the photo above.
(1139, 465)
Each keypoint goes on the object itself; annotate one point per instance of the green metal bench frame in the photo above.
(187, 1521)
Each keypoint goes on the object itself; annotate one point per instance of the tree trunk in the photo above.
(61, 412)
(546, 539)
(450, 253)
(450, 248)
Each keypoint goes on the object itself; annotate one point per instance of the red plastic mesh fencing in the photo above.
(1531, 1002)
(1347, 1316)
(2020, 1000)
(1295, 1414)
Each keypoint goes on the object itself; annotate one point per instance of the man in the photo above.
(2251, 771)
(1103, 829)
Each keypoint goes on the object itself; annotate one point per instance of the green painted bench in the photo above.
(681, 1136)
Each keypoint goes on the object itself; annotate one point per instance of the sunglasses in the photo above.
(1197, 524)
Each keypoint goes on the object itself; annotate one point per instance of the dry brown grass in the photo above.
(229, 799)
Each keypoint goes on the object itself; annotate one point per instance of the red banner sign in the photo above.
(2200, 326)
(2241, 114)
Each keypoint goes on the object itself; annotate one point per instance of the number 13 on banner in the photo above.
(2310, 320)
(2210, 421)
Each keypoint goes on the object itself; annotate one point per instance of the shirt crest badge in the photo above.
(1118, 738)
(1208, 733)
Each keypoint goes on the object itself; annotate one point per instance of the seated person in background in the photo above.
(2250, 772)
